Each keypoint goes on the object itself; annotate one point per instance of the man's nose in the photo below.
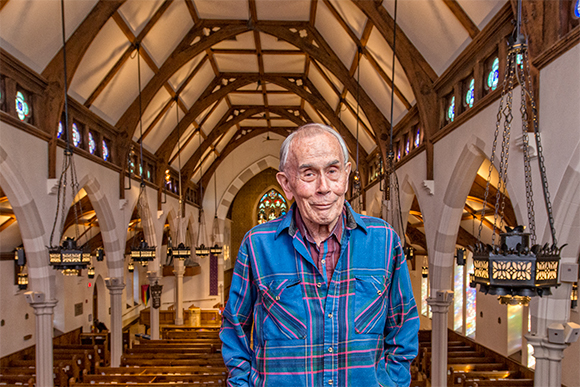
(323, 184)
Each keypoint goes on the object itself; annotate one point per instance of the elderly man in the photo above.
(320, 296)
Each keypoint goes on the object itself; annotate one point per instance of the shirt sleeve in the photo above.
(237, 324)
(402, 324)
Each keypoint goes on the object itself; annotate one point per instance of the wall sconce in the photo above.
(460, 257)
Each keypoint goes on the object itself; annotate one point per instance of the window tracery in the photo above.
(271, 205)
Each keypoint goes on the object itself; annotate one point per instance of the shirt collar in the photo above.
(352, 221)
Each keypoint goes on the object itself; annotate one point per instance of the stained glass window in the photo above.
(425, 310)
(470, 94)
(76, 135)
(271, 205)
(398, 151)
(493, 76)
(60, 130)
(418, 137)
(451, 110)
(470, 305)
(92, 144)
(22, 107)
(458, 299)
(407, 144)
(577, 9)
(531, 358)
(106, 153)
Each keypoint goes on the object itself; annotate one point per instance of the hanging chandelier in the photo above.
(68, 258)
(216, 249)
(512, 269)
(201, 250)
(182, 251)
(141, 252)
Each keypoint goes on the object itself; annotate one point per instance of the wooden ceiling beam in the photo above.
(420, 74)
(465, 239)
(9, 222)
(133, 40)
(463, 17)
(416, 237)
(233, 144)
(77, 45)
(245, 51)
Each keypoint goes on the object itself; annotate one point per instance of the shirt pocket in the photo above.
(370, 304)
(284, 310)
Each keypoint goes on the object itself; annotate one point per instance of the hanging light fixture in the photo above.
(460, 257)
(130, 267)
(356, 180)
(182, 251)
(574, 296)
(100, 254)
(216, 248)
(201, 250)
(67, 258)
(22, 278)
(392, 203)
(141, 252)
(91, 272)
(511, 269)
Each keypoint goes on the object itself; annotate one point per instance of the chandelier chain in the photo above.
(527, 166)
(527, 85)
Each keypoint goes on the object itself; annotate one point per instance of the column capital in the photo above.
(441, 302)
(543, 349)
(39, 304)
(115, 285)
(178, 267)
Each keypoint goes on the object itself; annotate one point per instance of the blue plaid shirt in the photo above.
(285, 326)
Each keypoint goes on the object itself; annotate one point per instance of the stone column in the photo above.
(116, 286)
(44, 311)
(178, 270)
(153, 277)
(440, 309)
(548, 372)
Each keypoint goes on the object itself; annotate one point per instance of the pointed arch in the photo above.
(238, 182)
(40, 274)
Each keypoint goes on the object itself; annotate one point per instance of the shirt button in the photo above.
(330, 382)
(330, 315)
(379, 293)
(329, 349)
(277, 298)
(319, 284)
(323, 261)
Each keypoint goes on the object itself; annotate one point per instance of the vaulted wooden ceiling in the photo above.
(239, 69)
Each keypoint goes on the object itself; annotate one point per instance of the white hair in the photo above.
(309, 130)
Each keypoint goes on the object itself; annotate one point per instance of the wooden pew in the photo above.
(97, 353)
(161, 370)
(63, 369)
(154, 379)
(173, 349)
(497, 383)
(17, 380)
(198, 361)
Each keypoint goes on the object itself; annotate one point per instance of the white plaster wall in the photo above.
(13, 311)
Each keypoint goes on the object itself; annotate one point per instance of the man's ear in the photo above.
(347, 168)
(285, 184)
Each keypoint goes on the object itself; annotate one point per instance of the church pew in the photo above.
(114, 384)
(499, 383)
(158, 351)
(140, 360)
(479, 367)
(215, 341)
(160, 370)
(25, 380)
(202, 379)
(100, 349)
(63, 369)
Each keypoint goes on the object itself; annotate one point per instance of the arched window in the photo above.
(577, 9)
(76, 135)
(470, 94)
(105, 153)
(451, 109)
(493, 75)
(92, 144)
(271, 205)
(22, 107)
(60, 130)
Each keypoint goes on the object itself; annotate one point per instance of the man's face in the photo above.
(316, 176)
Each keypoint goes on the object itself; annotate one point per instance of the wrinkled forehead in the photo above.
(303, 141)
